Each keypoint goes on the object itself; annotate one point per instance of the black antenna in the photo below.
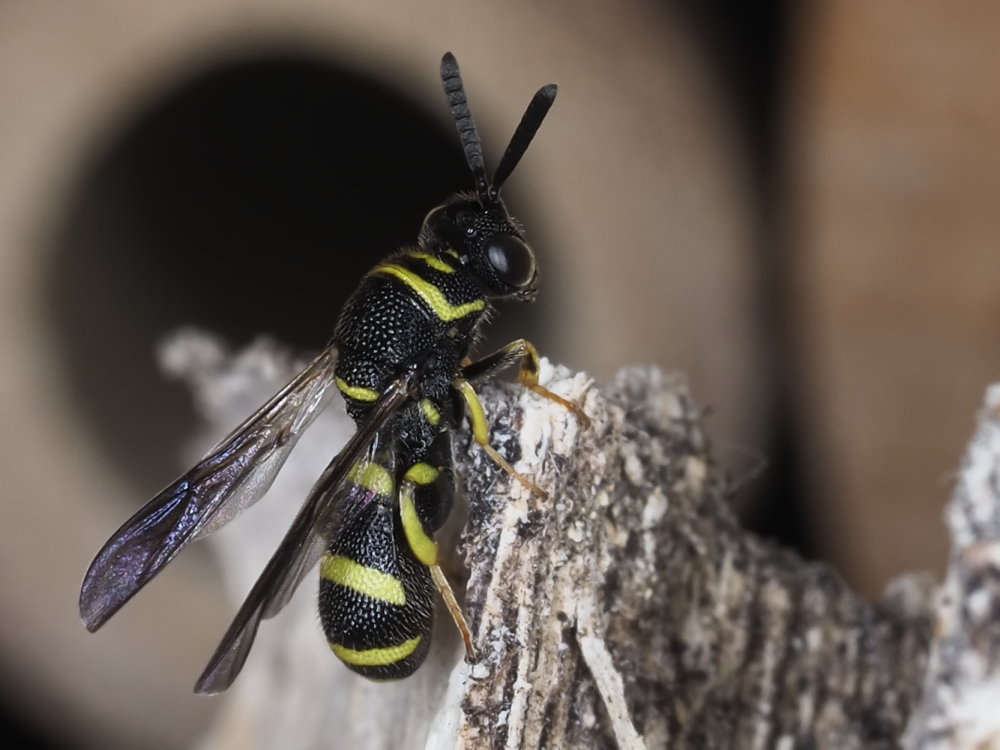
(538, 107)
(455, 91)
(526, 129)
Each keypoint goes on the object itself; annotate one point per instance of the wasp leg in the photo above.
(480, 433)
(423, 546)
(523, 352)
(448, 596)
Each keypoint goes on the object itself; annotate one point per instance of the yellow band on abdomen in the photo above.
(421, 473)
(372, 476)
(356, 392)
(376, 657)
(368, 581)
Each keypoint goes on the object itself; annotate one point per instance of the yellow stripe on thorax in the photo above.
(423, 547)
(432, 296)
(372, 476)
(376, 657)
(353, 575)
(431, 413)
(357, 392)
(433, 261)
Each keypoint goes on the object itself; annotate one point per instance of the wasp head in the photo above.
(476, 227)
(488, 242)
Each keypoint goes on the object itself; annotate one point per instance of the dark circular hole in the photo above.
(249, 199)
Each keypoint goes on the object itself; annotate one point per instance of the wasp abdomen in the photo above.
(376, 601)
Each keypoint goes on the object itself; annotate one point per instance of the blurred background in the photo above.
(793, 203)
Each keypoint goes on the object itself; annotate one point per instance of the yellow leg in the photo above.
(444, 588)
(524, 352)
(480, 433)
(425, 549)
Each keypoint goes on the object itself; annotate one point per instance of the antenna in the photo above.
(526, 129)
(538, 107)
(451, 77)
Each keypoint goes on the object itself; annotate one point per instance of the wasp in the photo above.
(399, 357)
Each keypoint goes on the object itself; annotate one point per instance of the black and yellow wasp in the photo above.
(400, 359)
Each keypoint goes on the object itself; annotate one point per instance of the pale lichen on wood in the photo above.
(719, 639)
(960, 706)
(625, 607)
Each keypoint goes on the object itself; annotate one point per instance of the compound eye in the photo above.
(512, 260)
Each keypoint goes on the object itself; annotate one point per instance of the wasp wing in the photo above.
(231, 478)
(301, 546)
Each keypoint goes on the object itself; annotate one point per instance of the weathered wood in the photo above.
(711, 637)
(960, 707)
(626, 608)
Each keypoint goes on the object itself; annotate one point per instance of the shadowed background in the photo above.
(794, 206)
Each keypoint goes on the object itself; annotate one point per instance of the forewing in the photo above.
(339, 507)
(237, 473)
(300, 548)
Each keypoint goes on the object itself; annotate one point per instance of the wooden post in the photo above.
(627, 607)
